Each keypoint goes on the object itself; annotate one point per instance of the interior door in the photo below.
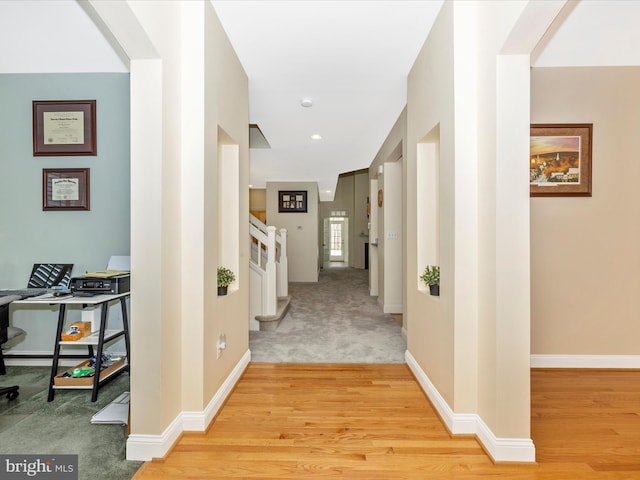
(336, 236)
(326, 240)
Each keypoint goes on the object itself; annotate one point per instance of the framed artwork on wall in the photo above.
(64, 127)
(292, 201)
(560, 160)
(65, 189)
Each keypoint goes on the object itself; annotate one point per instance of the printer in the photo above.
(114, 280)
(100, 283)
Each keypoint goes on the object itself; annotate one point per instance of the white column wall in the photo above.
(178, 100)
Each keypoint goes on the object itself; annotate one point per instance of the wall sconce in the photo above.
(380, 170)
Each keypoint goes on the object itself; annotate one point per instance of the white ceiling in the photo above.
(351, 57)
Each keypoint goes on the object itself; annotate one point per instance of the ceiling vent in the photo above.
(256, 138)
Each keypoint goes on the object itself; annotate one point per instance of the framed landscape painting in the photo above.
(560, 160)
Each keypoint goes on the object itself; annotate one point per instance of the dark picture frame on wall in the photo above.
(560, 160)
(65, 189)
(292, 201)
(64, 128)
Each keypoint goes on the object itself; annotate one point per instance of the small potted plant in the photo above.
(225, 278)
(431, 277)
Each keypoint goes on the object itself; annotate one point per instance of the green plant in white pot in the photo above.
(225, 278)
(431, 277)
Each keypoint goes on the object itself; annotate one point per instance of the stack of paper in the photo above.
(106, 273)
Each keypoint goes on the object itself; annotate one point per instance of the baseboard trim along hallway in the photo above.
(585, 361)
(148, 447)
(500, 449)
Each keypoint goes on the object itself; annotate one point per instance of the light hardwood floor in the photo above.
(291, 421)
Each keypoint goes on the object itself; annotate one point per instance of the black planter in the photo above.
(434, 290)
(222, 291)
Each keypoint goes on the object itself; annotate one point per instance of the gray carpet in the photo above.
(332, 321)
(31, 425)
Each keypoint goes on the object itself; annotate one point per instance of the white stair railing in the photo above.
(269, 254)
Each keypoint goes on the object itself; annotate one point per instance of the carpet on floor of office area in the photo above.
(332, 321)
(30, 425)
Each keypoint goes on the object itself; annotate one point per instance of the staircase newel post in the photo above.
(283, 281)
(271, 300)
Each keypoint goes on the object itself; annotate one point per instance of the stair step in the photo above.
(271, 322)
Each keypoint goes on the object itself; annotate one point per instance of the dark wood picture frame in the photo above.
(65, 189)
(59, 130)
(292, 201)
(560, 160)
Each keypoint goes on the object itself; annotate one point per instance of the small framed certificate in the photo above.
(65, 189)
(64, 128)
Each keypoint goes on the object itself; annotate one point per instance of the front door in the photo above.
(336, 239)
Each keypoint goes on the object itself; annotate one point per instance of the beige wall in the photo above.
(386, 274)
(258, 199)
(226, 88)
(472, 342)
(430, 100)
(302, 230)
(585, 259)
(178, 101)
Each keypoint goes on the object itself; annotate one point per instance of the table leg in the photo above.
(56, 351)
(103, 326)
(125, 327)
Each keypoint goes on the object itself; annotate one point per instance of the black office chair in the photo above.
(6, 334)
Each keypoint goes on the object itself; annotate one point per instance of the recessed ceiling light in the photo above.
(306, 102)
(316, 136)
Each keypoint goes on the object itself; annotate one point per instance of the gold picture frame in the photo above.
(560, 160)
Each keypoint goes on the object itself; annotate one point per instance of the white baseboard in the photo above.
(392, 308)
(585, 361)
(148, 447)
(500, 449)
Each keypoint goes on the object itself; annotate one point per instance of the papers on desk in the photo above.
(117, 412)
(106, 273)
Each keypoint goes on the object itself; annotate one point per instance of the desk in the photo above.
(98, 338)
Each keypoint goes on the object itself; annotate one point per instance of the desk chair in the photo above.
(43, 276)
(6, 334)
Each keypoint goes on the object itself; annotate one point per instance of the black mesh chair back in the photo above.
(47, 275)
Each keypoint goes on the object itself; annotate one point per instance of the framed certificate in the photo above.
(65, 189)
(64, 128)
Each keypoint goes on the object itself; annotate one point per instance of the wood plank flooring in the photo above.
(292, 421)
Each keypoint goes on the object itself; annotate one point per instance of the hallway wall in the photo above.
(186, 85)
(472, 342)
(303, 248)
(584, 256)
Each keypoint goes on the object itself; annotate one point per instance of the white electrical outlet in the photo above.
(222, 344)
